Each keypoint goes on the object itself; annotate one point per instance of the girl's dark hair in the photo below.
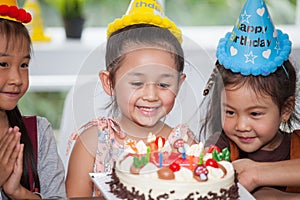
(140, 35)
(16, 35)
(280, 86)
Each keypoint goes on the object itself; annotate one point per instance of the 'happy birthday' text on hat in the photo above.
(254, 47)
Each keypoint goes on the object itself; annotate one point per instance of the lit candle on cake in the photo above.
(162, 139)
(160, 145)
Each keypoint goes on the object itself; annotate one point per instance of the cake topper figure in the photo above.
(254, 47)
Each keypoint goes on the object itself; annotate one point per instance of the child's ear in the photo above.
(181, 79)
(106, 83)
(287, 109)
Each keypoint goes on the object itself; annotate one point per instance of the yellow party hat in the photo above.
(145, 12)
(36, 27)
(9, 10)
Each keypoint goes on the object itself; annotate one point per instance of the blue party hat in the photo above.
(254, 47)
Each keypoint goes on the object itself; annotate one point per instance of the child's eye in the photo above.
(3, 64)
(137, 84)
(163, 85)
(24, 65)
(256, 114)
(229, 112)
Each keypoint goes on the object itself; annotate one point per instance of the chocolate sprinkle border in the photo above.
(122, 192)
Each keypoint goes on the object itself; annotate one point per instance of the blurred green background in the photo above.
(182, 12)
(46, 104)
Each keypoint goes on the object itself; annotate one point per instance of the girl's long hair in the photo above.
(16, 35)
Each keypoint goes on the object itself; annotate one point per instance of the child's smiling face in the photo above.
(249, 119)
(14, 74)
(147, 83)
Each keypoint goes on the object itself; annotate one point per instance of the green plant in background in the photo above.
(45, 104)
(69, 8)
(72, 13)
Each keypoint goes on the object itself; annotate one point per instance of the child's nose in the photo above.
(150, 92)
(14, 77)
(242, 124)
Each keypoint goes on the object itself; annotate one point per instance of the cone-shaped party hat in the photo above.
(145, 12)
(254, 47)
(36, 26)
(9, 10)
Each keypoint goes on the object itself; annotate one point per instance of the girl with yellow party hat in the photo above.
(144, 72)
(30, 167)
(252, 95)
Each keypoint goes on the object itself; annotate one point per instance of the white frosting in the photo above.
(195, 149)
(183, 184)
(142, 148)
(149, 168)
(167, 147)
(184, 175)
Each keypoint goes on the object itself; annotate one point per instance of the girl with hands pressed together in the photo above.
(30, 167)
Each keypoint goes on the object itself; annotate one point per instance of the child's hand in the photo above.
(12, 186)
(9, 151)
(248, 173)
(267, 193)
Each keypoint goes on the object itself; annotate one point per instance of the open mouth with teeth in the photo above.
(147, 110)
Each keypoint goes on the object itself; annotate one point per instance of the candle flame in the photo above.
(160, 143)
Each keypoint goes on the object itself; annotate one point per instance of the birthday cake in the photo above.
(165, 174)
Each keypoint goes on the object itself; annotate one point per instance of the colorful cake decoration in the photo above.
(9, 10)
(145, 12)
(199, 166)
(254, 47)
(155, 170)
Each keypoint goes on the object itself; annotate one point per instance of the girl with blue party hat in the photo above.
(252, 96)
(30, 167)
(144, 72)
